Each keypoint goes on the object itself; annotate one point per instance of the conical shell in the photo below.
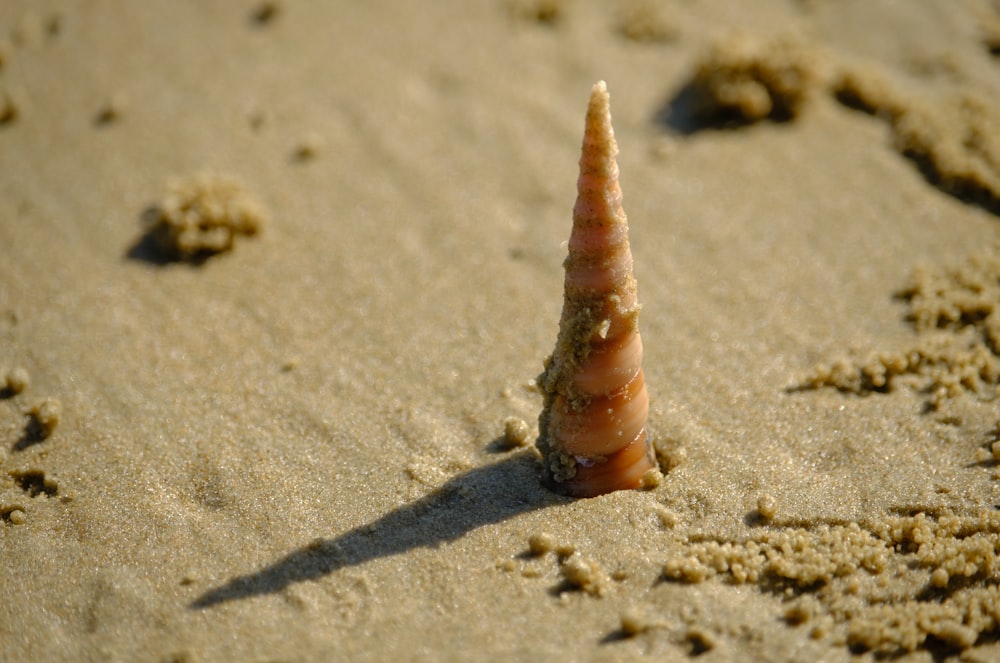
(592, 430)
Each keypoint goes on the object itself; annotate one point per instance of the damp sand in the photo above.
(315, 439)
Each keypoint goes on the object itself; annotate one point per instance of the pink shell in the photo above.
(592, 429)
(606, 425)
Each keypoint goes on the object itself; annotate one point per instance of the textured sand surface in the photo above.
(308, 444)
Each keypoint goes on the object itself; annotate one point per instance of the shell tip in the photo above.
(599, 96)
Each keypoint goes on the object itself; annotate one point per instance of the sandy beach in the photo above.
(277, 279)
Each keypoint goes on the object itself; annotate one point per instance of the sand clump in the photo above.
(886, 585)
(956, 146)
(45, 417)
(14, 516)
(956, 314)
(634, 621)
(767, 506)
(584, 574)
(516, 433)
(541, 544)
(576, 571)
(954, 141)
(201, 216)
(651, 479)
(15, 380)
(743, 79)
(34, 482)
(26, 482)
(866, 89)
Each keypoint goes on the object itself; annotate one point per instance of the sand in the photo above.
(314, 441)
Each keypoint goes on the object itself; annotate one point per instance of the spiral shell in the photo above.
(592, 429)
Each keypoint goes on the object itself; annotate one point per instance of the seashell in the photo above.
(592, 429)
